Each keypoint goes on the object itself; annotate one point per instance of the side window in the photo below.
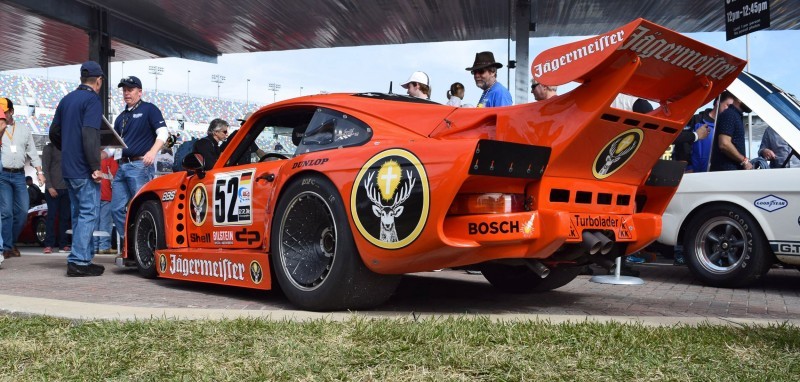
(332, 129)
(270, 134)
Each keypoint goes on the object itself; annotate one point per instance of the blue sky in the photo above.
(773, 55)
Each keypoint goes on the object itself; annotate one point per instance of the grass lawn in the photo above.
(361, 349)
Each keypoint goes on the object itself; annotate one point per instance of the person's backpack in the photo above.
(184, 149)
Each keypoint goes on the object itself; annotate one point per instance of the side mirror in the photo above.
(194, 162)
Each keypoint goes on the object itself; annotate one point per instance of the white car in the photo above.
(734, 225)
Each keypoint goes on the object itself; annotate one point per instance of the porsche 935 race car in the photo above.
(734, 225)
(381, 185)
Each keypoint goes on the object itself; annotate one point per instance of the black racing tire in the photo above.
(521, 279)
(725, 247)
(314, 257)
(40, 231)
(147, 237)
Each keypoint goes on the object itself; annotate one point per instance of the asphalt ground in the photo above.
(37, 284)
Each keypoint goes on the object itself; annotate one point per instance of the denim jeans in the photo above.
(103, 224)
(129, 179)
(14, 204)
(57, 206)
(84, 194)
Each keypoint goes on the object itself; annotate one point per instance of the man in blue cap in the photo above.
(76, 124)
(141, 125)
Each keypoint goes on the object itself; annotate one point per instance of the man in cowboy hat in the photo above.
(484, 70)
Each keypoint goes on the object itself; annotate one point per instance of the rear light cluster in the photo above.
(492, 203)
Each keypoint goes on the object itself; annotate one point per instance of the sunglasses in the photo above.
(478, 71)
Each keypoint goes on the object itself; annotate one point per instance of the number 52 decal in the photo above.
(233, 198)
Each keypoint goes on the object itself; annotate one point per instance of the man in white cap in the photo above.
(418, 85)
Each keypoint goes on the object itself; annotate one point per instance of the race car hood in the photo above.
(780, 110)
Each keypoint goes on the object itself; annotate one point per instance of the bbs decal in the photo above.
(233, 198)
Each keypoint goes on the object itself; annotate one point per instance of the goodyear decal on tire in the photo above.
(390, 199)
(199, 204)
(616, 153)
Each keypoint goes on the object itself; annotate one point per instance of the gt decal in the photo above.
(390, 199)
(256, 272)
(233, 198)
(199, 202)
(616, 153)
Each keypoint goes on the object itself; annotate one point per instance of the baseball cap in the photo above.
(91, 69)
(131, 82)
(6, 104)
(418, 77)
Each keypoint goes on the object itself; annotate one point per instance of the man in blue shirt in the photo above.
(484, 71)
(141, 125)
(729, 147)
(76, 124)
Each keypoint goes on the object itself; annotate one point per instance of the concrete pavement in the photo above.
(36, 284)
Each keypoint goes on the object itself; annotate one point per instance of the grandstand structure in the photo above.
(35, 100)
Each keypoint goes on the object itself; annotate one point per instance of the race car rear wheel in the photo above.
(313, 254)
(40, 231)
(520, 279)
(725, 247)
(148, 236)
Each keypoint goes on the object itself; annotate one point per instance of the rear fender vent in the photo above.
(558, 195)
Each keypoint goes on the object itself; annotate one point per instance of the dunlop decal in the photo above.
(616, 153)
(199, 202)
(390, 199)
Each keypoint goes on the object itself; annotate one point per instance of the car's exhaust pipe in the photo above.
(605, 243)
(537, 267)
(591, 243)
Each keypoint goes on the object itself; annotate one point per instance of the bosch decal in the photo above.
(493, 227)
(199, 202)
(309, 163)
(616, 153)
(391, 199)
(771, 203)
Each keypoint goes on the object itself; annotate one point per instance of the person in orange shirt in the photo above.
(108, 166)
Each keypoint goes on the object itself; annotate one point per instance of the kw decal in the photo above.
(199, 202)
(616, 153)
(390, 199)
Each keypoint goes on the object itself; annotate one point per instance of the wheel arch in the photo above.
(136, 203)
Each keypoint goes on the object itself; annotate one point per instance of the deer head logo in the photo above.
(198, 200)
(389, 179)
(390, 199)
(616, 153)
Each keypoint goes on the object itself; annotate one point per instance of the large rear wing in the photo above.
(670, 65)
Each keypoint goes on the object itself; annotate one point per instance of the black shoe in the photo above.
(75, 270)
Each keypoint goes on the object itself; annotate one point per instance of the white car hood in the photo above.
(778, 109)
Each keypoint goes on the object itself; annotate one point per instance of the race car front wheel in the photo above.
(724, 247)
(313, 254)
(520, 279)
(148, 236)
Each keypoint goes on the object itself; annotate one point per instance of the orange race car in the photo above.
(381, 184)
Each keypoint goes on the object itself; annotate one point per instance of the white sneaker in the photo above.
(1, 258)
